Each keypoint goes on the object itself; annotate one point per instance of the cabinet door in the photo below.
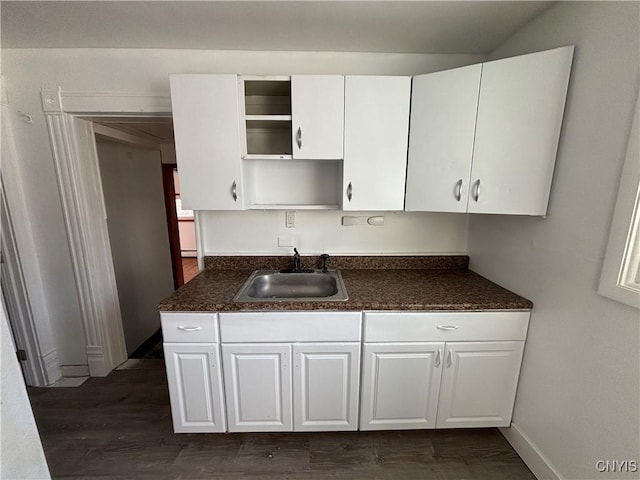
(317, 110)
(479, 384)
(400, 385)
(443, 122)
(519, 118)
(207, 137)
(195, 387)
(325, 386)
(376, 129)
(257, 380)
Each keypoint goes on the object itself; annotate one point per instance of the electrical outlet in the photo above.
(290, 219)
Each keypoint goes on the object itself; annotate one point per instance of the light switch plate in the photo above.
(289, 219)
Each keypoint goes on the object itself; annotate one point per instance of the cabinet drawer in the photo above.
(290, 327)
(444, 326)
(189, 327)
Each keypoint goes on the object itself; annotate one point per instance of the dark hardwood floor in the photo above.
(119, 427)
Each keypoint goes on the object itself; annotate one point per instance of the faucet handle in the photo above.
(325, 262)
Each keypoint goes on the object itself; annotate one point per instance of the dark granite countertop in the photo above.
(440, 283)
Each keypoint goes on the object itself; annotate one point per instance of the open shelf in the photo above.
(293, 185)
(267, 117)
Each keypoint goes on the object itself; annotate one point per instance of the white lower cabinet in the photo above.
(444, 384)
(325, 386)
(194, 374)
(260, 379)
(257, 381)
(479, 384)
(291, 371)
(300, 371)
(400, 384)
(195, 387)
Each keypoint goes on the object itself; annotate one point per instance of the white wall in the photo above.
(140, 72)
(48, 337)
(578, 397)
(138, 234)
(21, 454)
(251, 233)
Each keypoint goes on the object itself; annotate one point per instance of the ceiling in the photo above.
(153, 129)
(445, 27)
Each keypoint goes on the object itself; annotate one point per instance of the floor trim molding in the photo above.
(74, 370)
(540, 465)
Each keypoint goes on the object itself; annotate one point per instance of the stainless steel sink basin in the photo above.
(278, 286)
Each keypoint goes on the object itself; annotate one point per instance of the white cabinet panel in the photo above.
(400, 385)
(443, 121)
(317, 110)
(376, 129)
(207, 137)
(195, 387)
(258, 387)
(325, 385)
(316, 326)
(192, 327)
(445, 326)
(519, 118)
(479, 384)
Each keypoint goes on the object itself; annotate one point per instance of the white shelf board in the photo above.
(261, 156)
(267, 118)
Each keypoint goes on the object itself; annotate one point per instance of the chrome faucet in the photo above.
(296, 260)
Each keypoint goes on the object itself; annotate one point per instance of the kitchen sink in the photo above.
(291, 286)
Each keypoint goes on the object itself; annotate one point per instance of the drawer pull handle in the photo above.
(447, 327)
(189, 329)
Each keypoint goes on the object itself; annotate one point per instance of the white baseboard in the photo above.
(51, 366)
(74, 370)
(540, 465)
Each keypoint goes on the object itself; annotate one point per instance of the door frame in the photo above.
(85, 218)
(172, 223)
(19, 313)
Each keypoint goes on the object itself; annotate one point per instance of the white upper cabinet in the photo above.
(519, 118)
(375, 142)
(443, 122)
(317, 111)
(207, 138)
(484, 138)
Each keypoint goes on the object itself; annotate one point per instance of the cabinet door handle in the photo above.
(457, 191)
(447, 327)
(189, 329)
(476, 190)
(234, 191)
(449, 361)
(349, 191)
(438, 362)
(299, 138)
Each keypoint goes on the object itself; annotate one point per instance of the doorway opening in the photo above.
(152, 252)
